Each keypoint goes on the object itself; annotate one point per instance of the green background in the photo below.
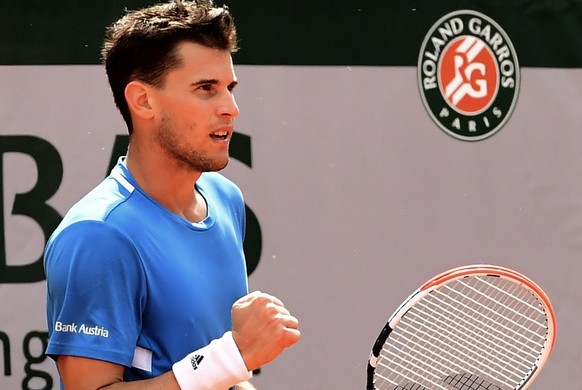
(545, 33)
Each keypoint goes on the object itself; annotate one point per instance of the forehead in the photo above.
(201, 61)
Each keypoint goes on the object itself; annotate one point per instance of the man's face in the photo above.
(197, 108)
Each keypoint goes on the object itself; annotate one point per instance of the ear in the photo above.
(138, 96)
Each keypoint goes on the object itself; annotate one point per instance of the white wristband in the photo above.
(217, 366)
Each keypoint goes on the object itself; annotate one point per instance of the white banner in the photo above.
(360, 197)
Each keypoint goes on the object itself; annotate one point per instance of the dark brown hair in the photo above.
(142, 44)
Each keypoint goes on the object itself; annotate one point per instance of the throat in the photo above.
(198, 211)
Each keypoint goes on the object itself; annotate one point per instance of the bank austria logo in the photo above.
(84, 329)
(468, 75)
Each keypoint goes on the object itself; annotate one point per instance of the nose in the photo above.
(228, 106)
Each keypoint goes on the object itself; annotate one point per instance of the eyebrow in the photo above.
(204, 81)
(213, 82)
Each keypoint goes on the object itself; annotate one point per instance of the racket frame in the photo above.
(457, 273)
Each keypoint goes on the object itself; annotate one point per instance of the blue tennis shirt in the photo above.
(131, 283)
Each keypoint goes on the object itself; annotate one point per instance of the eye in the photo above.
(205, 90)
(206, 87)
(232, 86)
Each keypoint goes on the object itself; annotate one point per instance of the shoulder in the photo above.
(93, 251)
(98, 204)
(88, 227)
(87, 240)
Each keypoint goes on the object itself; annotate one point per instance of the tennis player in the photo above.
(146, 277)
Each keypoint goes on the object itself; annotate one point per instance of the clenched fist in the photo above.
(262, 328)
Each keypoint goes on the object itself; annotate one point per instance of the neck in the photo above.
(167, 181)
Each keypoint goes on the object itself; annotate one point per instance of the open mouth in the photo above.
(219, 135)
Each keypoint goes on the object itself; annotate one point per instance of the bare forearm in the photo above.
(166, 381)
(89, 374)
(161, 383)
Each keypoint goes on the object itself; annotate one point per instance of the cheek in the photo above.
(190, 114)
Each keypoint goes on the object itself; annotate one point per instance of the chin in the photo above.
(216, 166)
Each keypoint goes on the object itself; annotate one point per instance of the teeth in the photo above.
(221, 135)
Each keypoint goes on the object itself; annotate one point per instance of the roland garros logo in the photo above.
(468, 75)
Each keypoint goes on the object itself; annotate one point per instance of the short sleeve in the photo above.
(96, 292)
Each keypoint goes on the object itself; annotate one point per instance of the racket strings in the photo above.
(487, 314)
(523, 329)
(411, 386)
(406, 364)
(514, 332)
(418, 367)
(495, 298)
(470, 382)
(482, 324)
(448, 357)
(473, 342)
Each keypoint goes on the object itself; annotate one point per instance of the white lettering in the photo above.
(67, 328)
(429, 68)
(495, 41)
(507, 82)
(450, 29)
(472, 126)
(456, 124)
(431, 56)
(85, 329)
(457, 25)
(502, 53)
(475, 25)
(486, 33)
(429, 82)
(429, 71)
(507, 68)
(94, 331)
(437, 43)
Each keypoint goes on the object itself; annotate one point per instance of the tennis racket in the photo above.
(477, 327)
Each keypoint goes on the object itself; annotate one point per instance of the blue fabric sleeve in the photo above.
(96, 293)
